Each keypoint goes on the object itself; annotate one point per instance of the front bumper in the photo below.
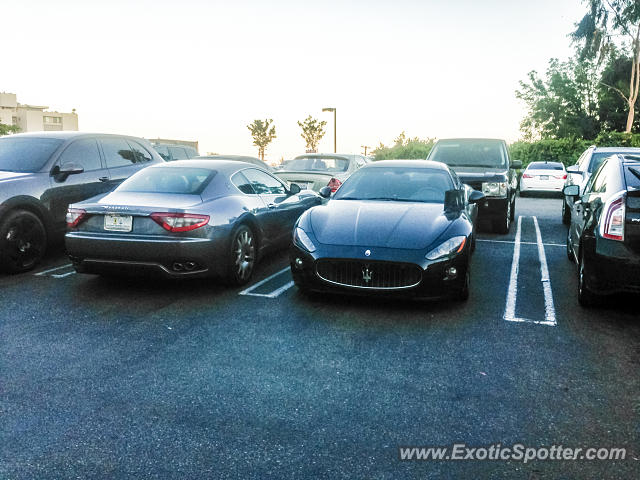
(432, 285)
(611, 267)
(153, 255)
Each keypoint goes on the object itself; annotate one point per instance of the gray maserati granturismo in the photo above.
(190, 218)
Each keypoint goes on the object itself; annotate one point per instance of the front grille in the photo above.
(374, 275)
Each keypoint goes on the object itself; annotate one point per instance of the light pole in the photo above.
(335, 140)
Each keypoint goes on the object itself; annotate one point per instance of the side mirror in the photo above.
(575, 170)
(476, 196)
(325, 192)
(571, 190)
(294, 189)
(70, 169)
(516, 164)
(454, 200)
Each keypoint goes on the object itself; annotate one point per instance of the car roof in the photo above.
(345, 156)
(65, 135)
(229, 157)
(408, 164)
(617, 149)
(226, 166)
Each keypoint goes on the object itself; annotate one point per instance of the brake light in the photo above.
(334, 184)
(526, 175)
(613, 225)
(561, 177)
(180, 222)
(75, 216)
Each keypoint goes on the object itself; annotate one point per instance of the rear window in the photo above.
(545, 166)
(470, 153)
(26, 154)
(190, 181)
(318, 164)
(632, 176)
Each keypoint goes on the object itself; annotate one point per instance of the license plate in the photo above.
(544, 177)
(118, 223)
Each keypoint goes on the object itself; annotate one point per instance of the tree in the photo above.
(613, 24)
(312, 132)
(7, 129)
(612, 108)
(404, 148)
(263, 132)
(562, 104)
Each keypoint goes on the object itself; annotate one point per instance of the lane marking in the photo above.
(273, 294)
(44, 272)
(550, 311)
(512, 291)
(521, 243)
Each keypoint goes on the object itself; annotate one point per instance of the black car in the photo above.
(604, 235)
(170, 152)
(42, 173)
(484, 164)
(403, 228)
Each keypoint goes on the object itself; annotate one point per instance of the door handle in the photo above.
(271, 205)
(104, 179)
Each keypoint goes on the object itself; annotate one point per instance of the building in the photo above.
(34, 118)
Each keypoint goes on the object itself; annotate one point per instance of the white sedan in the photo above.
(543, 177)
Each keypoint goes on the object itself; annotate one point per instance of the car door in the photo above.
(67, 189)
(123, 158)
(283, 209)
(587, 207)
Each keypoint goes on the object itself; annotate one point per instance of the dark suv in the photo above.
(604, 234)
(484, 164)
(42, 173)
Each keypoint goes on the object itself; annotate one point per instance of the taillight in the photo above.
(180, 222)
(526, 175)
(561, 177)
(334, 184)
(612, 225)
(75, 216)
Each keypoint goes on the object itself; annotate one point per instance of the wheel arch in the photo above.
(32, 205)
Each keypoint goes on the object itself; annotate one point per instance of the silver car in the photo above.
(189, 218)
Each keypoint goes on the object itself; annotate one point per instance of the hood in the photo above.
(480, 174)
(137, 202)
(373, 223)
(12, 175)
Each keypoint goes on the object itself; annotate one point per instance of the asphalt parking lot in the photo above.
(131, 378)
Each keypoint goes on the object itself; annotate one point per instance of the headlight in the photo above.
(301, 239)
(494, 189)
(453, 245)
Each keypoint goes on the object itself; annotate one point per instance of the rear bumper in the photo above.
(115, 253)
(527, 185)
(612, 267)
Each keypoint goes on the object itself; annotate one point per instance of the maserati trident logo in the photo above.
(367, 274)
(367, 253)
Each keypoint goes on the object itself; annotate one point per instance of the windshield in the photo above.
(26, 154)
(399, 184)
(470, 153)
(318, 164)
(190, 181)
(598, 158)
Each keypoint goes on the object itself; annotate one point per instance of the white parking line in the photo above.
(521, 243)
(44, 272)
(512, 291)
(277, 292)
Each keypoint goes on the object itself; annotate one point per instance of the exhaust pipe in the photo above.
(189, 266)
(177, 266)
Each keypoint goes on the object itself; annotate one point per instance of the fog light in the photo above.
(450, 273)
(299, 263)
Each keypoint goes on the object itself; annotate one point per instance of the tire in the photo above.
(586, 298)
(566, 213)
(502, 225)
(462, 294)
(513, 209)
(23, 241)
(242, 256)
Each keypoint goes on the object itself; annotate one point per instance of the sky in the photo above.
(204, 69)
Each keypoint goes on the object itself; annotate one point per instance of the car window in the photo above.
(118, 153)
(141, 153)
(190, 181)
(178, 153)
(582, 161)
(632, 176)
(545, 166)
(242, 183)
(597, 159)
(470, 153)
(83, 153)
(596, 181)
(263, 183)
(162, 151)
(20, 154)
(318, 164)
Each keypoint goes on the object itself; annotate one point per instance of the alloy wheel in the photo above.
(244, 255)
